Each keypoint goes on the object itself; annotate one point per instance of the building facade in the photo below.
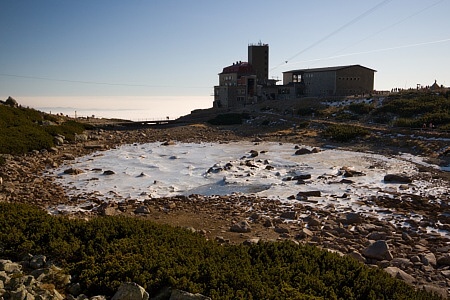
(244, 83)
(331, 81)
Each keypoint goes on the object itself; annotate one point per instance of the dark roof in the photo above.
(240, 67)
(326, 69)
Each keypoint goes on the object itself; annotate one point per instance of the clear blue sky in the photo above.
(177, 48)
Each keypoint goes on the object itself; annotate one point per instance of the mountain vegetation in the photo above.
(105, 251)
(23, 130)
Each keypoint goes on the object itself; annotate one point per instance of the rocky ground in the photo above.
(411, 253)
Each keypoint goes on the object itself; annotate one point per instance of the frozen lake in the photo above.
(272, 170)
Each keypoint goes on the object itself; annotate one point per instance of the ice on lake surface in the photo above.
(149, 170)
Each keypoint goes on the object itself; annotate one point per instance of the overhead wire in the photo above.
(351, 22)
(390, 26)
(373, 51)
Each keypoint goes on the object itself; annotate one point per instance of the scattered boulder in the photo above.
(356, 255)
(444, 260)
(304, 233)
(168, 143)
(291, 215)
(81, 137)
(400, 274)
(241, 227)
(254, 153)
(442, 292)
(130, 290)
(38, 261)
(397, 178)
(429, 259)
(353, 218)
(142, 210)
(9, 267)
(58, 140)
(309, 194)
(73, 171)
(303, 151)
(378, 250)
(109, 172)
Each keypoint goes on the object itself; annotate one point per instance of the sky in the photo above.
(60, 53)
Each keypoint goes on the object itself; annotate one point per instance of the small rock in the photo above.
(397, 178)
(303, 151)
(353, 218)
(428, 259)
(291, 215)
(73, 171)
(142, 210)
(304, 233)
(182, 295)
(444, 260)
(38, 261)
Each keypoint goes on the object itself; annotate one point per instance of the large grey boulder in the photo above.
(130, 291)
(241, 227)
(378, 250)
(400, 274)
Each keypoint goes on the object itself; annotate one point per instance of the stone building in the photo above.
(244, 83)
(330, 81)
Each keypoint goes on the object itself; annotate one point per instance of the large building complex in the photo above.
(245, 83)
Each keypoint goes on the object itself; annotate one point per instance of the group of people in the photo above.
(430, 126)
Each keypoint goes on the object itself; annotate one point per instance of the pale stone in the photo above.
(130, 290)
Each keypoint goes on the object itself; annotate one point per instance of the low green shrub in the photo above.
(106, 251)
(21, 130)
(361, 108)
(344, 132)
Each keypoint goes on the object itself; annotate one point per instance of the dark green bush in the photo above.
(21, 130)
(345, 132)
(361, 108)
(67, 129)
(106, 251)
(346, 116)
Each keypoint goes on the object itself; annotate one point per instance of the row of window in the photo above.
(349, 78)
